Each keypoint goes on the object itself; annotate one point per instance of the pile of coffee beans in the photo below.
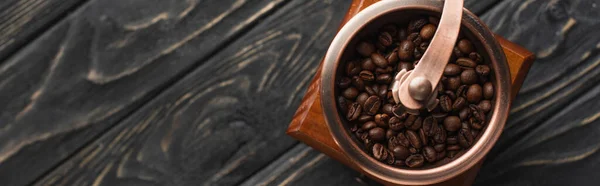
(389, 133)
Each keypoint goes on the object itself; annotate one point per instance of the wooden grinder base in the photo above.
(308, 124)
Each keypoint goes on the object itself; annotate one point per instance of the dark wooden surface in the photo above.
(190, 92)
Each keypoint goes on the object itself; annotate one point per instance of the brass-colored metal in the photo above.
(429, 70)
(342, 49)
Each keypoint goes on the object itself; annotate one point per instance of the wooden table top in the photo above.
(191, 92)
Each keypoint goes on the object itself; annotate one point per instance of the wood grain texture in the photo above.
(23, 20)
(100, 64)
(225, 120)
(551, 137)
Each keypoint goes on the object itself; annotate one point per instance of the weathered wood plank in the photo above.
(98, 65)
(23, 20)
(551, 137)
(224, 121)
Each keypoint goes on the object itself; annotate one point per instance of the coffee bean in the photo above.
(350, 93)
(477, 118)
(466, 62)
(379, 60)
(430, 154)
(452, 83)
(414, 161)
(453, 148)
(445, 103)
(423, 137)
(391, 29)
(439, 115)
(428, 125)
(476, 57)
(406, 49)
(358, 83)
(415, 125)
(417, 54)
(365, 48)
(464, 113)
(434, 20)
(367, 64)
(384, 78)
(452, 123)
(364, 118)
(344, 104)
(344, 82)
(439, 147)
(390, 133)
(410, 120)
(369, 90)
(450, 94)
(353, 112)
(488, 90)
(428, 31)
(352, 68)
(399, 163)
(368, 125)
(362, 98)
(441, 155)
(452, 70)
(465, 138)
(382, 120)
(468, 76)
(483, 70)
(405, 66)
(399, 111)
(377, 134)
(383, 91)
(372, 105)
(452, 154)
(451, 140)
(459, 104)
(400, 152)
(416, 24)
(390, 97)
(387, 109)
(385, 39)
(402, 34)
(379, 47)
(456, 53)
(465, 46)
(412, 150)
(395, 124)
(474, 94)
(403, 140)
(440, 135)
(423, 47)
(392, 57)
(380, 152)
(386, 70)
(413, 138)
(354, 128)
(366, 75)
(485, 106)
(462, 90)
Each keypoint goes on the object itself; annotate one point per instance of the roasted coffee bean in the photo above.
(399, 111)
(369, 90)
(417, 54)
(450, 94)
(372, 105)
(365, 48)
(462, 90)
(391, 29)
(423, 47)
(383, 91)
(395, 124)
(413, 138)
(400, 152)
(430, 154)
(410, 120)
(405, 66)
(364, 118)
(403, 140)
(417, 24)
(379, 60)
(441, 155)
(390, 133)
(488, 90)
(386, 70)
(358, 83)
(483, 70)
(367, 64)
(414, 161)
(464, 113)
(465, 138)
(380, 152)
(452, 69)
(399, 163)
(377, 134)
(465, 46)
(413, 150)
(452, 154)
(406, 49)
(352, 68)
(452, 83)
(465, 125)
(379, 47)
(344, 104)
(451, 140)
(387, 109)
(428, 125)
(382, 120)
(368, 125)
(385, 39)
(366, 75)
(440, 135)
(434, 20)
(468, 76)
(474, 94)
(350, 93)
(439, 115)
(452, 147)
(485, 106)
(423, 137)
(439, 147)
(353, 112)
(456, 53)
(428, 31)
(476, 57)
(402, 34)
(384, 79)
(466, 62)
(362, 98)
(354, 128)
(344, 82)
(392, 57)
(452, 123)
(415, 124)
(445, 103)
(459, 104)
(475, 123)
